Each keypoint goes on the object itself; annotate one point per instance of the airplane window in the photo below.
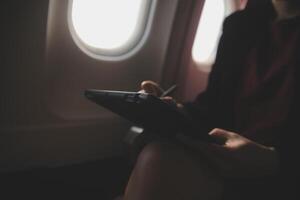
(208, 33)
(108, 28)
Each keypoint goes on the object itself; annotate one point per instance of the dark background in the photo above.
(22, 59)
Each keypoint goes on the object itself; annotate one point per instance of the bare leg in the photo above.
(167, 171)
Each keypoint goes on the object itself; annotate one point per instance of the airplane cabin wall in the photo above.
(23, 33)
(44, 118)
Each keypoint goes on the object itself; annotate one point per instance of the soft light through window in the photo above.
(208, 32)
(106, 24)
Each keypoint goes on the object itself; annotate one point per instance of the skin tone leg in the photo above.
(167, 171)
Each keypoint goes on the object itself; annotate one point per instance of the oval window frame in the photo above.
(229, 7)
(133, 44)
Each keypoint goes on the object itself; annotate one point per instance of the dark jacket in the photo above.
(215, 107)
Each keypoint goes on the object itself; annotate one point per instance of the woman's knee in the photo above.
(175, 169)
(165, 157)
(155, 154)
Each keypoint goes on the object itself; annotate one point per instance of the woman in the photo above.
(250, 104)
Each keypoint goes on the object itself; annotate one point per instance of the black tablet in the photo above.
(145, 110)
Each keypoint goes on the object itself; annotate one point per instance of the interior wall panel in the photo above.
(44, 119)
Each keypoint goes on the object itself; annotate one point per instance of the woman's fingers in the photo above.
(151, 87)
(222, 135)
(170, 100)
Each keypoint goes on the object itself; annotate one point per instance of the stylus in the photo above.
(169, 91)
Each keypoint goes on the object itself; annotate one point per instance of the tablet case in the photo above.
(145, 110)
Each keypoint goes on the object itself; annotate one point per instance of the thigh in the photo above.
(169, 171)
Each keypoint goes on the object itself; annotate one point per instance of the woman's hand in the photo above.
(239, 157)
(153, 88)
